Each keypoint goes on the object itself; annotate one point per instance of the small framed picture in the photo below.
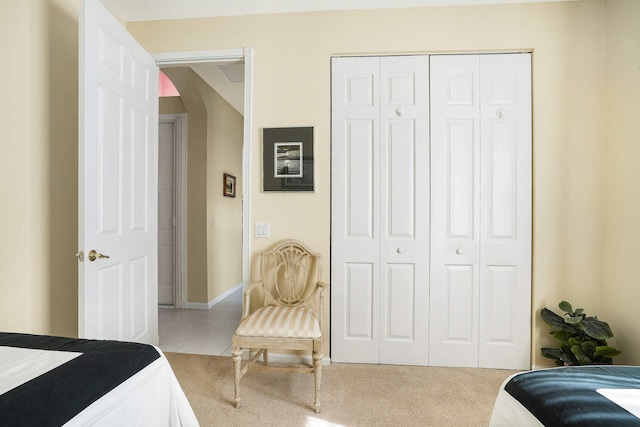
(229, 182)
(287, 159)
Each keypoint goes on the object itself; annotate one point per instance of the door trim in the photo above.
(185, 58)
(180, 204)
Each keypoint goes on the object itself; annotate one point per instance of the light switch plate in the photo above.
(263, 229)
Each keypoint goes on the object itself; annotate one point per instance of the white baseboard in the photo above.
(210, 304)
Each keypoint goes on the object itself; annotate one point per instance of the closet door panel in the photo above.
(404, 206)
(455, 210)
(355, 213)
(505, 260)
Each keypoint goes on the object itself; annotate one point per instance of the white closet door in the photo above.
(404, 186)
(455, 210)
(505, 254)
(380, 210)
(481, 211)
(355, 210)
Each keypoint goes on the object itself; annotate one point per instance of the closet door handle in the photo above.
(400, 250)
(459, 251)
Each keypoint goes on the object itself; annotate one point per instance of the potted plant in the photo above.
(582, 338)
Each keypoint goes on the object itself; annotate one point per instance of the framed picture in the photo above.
(229, 182)
(287, 159)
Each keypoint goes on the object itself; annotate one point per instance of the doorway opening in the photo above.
(199, 274)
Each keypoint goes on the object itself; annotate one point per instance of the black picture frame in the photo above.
(287, 159)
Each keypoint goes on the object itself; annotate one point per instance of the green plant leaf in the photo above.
(573, 320)
(565, 347)
(572, 341)
(569, 359)
(556, 322)
(581, 356)
(551, 353)
(578, 311)
(606, 351)
(565, 306)
(589, 348)
(561, 335)
(596, 328)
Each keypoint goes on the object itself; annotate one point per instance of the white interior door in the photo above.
(505, 224)
(117, 182)
(355, 210)
(404, 210)
(380, 217)
(455, 210)
(481, 211)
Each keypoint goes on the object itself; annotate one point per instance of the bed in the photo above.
(55, 381)
(583, 396)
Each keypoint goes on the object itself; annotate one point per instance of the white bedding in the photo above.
(150, 397)
(153, 397)
(19, 365)
(509, 412)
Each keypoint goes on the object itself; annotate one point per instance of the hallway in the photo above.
(201, 331)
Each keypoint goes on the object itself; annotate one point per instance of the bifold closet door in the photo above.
(380, 210)
(481, 211)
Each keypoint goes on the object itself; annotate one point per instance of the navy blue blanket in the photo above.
(54, 398)
(567, 396)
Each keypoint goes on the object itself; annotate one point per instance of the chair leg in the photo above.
(317, 370)
(265, 357)
(236, 354)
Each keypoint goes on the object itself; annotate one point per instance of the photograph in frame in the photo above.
(287, 159)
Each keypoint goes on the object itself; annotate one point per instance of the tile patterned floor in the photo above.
(201, 331)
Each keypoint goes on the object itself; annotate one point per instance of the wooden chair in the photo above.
(292, 316)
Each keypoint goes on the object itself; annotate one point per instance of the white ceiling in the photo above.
(151, 10)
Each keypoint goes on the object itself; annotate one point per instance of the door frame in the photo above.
(180, 205)
(219, 56)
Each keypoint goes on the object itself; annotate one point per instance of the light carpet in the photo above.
(351, 395)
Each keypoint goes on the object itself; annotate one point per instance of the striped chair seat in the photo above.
(281, 322)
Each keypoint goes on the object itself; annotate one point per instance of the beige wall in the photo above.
(171, 105)
(224, 155)
(292, 88)
(621, 281)
(38, 166)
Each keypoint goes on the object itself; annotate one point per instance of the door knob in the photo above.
(93, 255)
(400, 111)
(400, 250)
(459, 251)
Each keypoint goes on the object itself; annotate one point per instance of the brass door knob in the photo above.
(93, 255)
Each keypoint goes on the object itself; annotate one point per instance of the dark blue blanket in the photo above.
(567, 396)
(54, 398)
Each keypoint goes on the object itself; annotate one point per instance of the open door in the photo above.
(118, 189)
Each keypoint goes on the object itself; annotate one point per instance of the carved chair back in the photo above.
(289, 274)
